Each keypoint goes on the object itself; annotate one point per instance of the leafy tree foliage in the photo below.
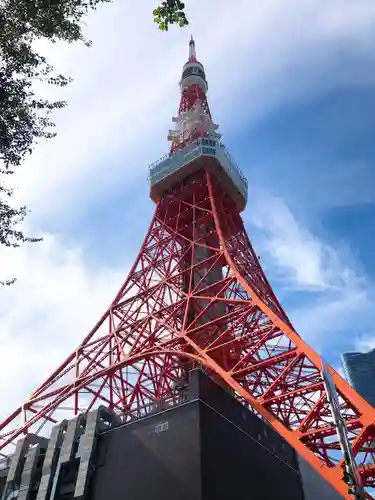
(24, 117)
(170, 12)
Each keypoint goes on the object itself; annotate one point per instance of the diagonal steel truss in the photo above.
(197, 296)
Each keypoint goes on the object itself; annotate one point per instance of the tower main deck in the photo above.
(203, 153)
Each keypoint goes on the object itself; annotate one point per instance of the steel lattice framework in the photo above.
(197, 296)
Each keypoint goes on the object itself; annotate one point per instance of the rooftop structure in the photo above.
(209, 447)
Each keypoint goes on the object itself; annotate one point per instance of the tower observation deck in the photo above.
(196, 143)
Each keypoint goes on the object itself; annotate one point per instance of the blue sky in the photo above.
(292, 86)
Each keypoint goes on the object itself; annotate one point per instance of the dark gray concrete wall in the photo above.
(314, 486)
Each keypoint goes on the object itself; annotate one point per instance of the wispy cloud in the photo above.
(324, 286)
(365, 341)
(125, 88)
(45, 315)
(302, 260)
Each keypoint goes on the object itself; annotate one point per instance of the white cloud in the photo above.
(46, 314)
(365, 341)
(338, 294)
(125, 88)
(304, 261)
(323, 320)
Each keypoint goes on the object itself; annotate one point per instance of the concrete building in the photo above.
(208, 448)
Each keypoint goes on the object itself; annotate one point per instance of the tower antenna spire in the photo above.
(192, 53)
(194, 119)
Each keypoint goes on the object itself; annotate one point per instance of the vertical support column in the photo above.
(29, 467)
(207, 275)
(18, 463)
(15, 468)
(214, 276)
(203, 276)
(74, 430)
(50, 460)
(94, 421)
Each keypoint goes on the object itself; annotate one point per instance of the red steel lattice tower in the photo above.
(197, 296)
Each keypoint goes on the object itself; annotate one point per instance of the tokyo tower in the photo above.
(197, 296)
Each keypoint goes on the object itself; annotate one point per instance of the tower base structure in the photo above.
(207, 448)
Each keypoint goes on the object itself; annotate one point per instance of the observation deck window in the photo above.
(193, 71)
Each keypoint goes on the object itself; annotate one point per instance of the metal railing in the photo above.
(169, 164)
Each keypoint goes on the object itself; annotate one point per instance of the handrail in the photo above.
(170, 163)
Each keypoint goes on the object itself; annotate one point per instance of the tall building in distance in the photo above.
(359, 368)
